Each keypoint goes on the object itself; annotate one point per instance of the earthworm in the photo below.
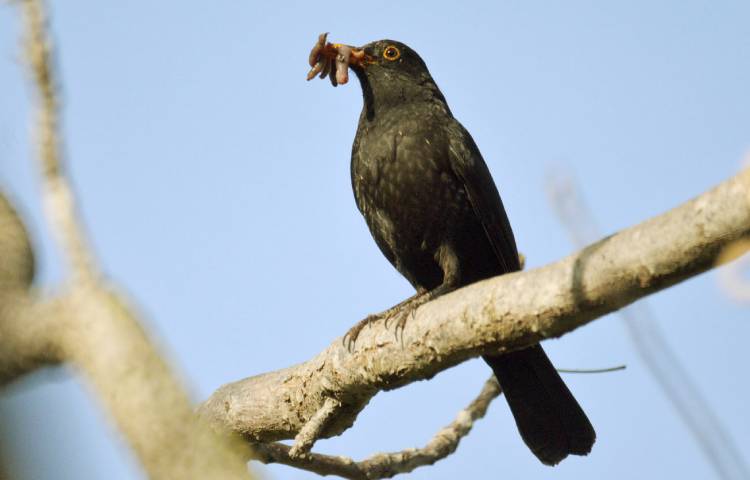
(316, 69)
(317, 49)
(342, 63)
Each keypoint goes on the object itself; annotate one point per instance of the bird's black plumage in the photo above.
(435, 212)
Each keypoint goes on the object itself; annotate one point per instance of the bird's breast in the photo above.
(404, 185)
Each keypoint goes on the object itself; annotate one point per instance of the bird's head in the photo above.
(387, 61)
(391, 73)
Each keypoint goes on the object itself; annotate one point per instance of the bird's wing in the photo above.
(468, 165)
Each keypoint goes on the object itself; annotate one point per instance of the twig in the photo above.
(313, 429)
(591, 370)
(56, 192)
(386, 465)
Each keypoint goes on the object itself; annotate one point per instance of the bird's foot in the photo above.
(401, 313)
(350, 338)
(401, 318)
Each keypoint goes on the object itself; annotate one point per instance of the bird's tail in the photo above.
(548, 417)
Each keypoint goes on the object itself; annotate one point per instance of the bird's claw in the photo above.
(350, 338)
(400, 317)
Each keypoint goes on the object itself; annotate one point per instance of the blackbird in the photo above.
(432, 207)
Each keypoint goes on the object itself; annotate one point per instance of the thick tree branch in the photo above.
(500, 314)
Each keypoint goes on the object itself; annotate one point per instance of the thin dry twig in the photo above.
(387, 465)
(313, 429)
(56, 192)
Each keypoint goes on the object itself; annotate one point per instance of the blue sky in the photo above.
(215, 184)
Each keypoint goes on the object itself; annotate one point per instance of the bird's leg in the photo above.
(408, 311)
(446, 258)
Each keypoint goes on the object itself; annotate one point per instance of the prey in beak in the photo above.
(334, 59)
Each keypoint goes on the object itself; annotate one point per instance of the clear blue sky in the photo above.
(215, 183)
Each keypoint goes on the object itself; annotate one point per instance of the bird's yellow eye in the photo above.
(391, 53)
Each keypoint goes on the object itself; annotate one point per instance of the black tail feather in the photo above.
(548, 417)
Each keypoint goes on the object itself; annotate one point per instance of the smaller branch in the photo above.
(387, 465)
(312, 430)
(57, 195)
(592, 370)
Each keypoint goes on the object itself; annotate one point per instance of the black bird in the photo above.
(435, 212)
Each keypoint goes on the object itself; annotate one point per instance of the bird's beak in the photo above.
(334, 59)
(359, 58)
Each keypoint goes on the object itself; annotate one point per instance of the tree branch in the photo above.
(500, 314)
(56, 192)
(652, 346)
(387, 465)
(91, 326)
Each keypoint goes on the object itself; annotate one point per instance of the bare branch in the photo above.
(652, 345)
(312, 430)
(496, 315)
(137, 388)
(16, 255)
(56, 192)
(92, 327)
(28, 329)
(386, 465)
(24, 323)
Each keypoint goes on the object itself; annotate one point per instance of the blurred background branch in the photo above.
(56, 192)
(87, 323)
(650, 341)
